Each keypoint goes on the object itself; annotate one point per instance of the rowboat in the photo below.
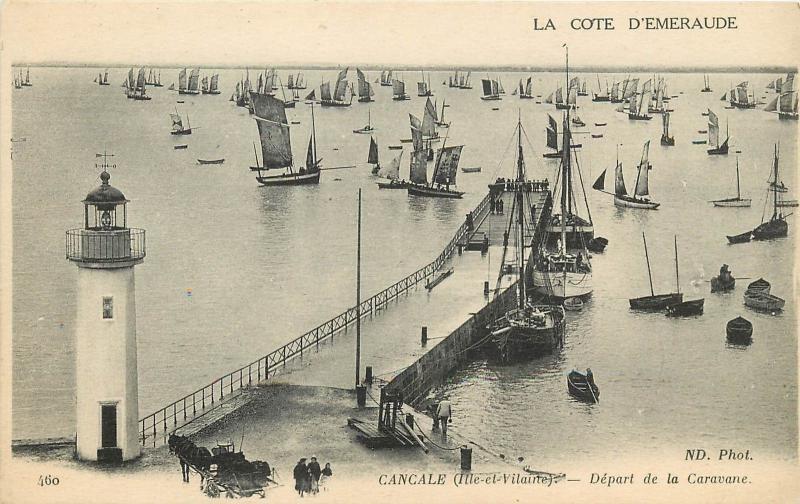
(597, 244)
(600, 124)
(740, 238)
(724, 281)
(686, 308)
(760, 285)
(471, 169)
(573, 304)
(581, 386)
(699, 142)
(739, 330)
(180, 146)
(395, 147)
(655, 302)
(211, 161)
(597, 135)
(763, 301)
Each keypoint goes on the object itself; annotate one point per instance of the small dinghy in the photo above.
(740, 238)
(739, 331)
(704, 114)
(438, 279)
(762, 301)
(702, 132)
(597, 135)
(582, 387)
(699, 142)
(686, 308)
(724, 281)
(597, 244)
(295, 122)
(495, 108)
(471, 169)
(395, 147)
(759, 285)
(211, 161)
(181, 146)
(600, 124)
(573, 304)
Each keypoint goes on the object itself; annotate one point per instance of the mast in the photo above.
(314, 142)
(738, 193)
(775, 184)
(358, 296)
(677, 276)
(647, 258)
(520, 217)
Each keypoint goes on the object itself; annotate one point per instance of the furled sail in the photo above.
(372, 157)
(644, 169)
(619, 181)
(447, 164)
(713, 129)
(273, 130)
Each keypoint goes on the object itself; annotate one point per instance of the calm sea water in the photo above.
(234, 270)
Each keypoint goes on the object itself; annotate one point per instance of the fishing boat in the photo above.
(706, 84)
(391, 172)
(102, 78)
(526, 329)
(365, 91)
(372, 156)
(491, 89)
(683, 308)
(139, 88)
(638, 104)
(337, 99)
(395, 147)
(739, 331)
(551, 140)
(666, 140)
(444, 171)
(190, 86)
(27, 81)
(740, 97)
(601, 95)
(660, 98)
(562, 101)
(740, 238)
(581, 386)
(276, 146)
(699, 142)
(656, 301)
(399, 90)
(776, 226)
(736, 201)
(640, 197)
(785, 104)
(573, 304)
(577, 121)
(368, 128)
(211, 161)
(525, 89)
(724, 281)
(423, 87)
(178, 127)
(763, 301)
(713, 135)
(760, 286)
(599, 124)
(295, 82)
(582, 89)
(386, 78)
(213, 87)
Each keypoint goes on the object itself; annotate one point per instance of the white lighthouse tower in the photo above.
(105, 251)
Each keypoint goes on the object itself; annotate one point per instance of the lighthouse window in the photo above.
(108, 307)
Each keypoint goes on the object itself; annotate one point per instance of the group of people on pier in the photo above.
(309, 478)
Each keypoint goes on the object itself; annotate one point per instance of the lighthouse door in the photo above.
(109, 425)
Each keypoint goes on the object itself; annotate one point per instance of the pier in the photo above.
(454, 313)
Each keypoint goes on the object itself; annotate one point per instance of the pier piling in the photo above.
(424, 335)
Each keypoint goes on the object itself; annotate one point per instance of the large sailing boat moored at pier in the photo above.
(276, 146)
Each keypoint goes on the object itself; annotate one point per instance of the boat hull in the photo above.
(211, 161)
(188, 92)
(777, 228)
(722, 150)
(560, 285)
(580, 388)
(656, 302)
(721, 285)
(739, 331)
(333, 103)
(732, 203)
(686, 308)
(420, 190)
(289, 179)
(187, 131)
(631, 202)
(788, 115)
(763, 301)
(393, 185)
(740, 238)
(516, 341)
(639, 117)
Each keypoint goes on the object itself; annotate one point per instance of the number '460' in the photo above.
(47, 480)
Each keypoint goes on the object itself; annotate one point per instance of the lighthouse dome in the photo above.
(105, 196)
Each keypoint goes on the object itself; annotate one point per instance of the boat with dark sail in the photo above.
(337, 99)
(296, 82)
(372, 156)
(713, 136)
(776, 226)
(365, 91)
(491, 89)
(666, 139)
(444, 171)
(423, 87)
(740, 97)
(739, 331)
(684, 308)
(191, 85)
(102, 78)
(581, 386)
(178, 127)
(736, 201)
(525, 89)
(640, 198)
(561, 100)
(706, 84)
(399, 90)
(211, 86)
(276, 146)
(638, 104)
(785, 104)
(440, 122)
(551, 140)
(656, 302)
(138, 92)
(527, 329)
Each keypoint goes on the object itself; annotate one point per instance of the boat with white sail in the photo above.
(785, 104)
(640, 197)
(716, 147)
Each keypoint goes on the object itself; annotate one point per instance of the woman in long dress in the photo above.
(326, 476)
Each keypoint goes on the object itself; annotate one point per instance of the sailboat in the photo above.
(211, 86)
(740, 97)
(776, 226)
(736, 201)
(177, 124)
(102, 78)
(276, 146)
(392, 173)
(368, 128)
(713, 135)
(17, 84)
(666, 140)
(440, 119)
(683, 308)
(386, 78)
(444, 171)
(706, 84)
(525, 89)
(638, 104)
(157, 79)
(372, 156)
(491, 90)
(365, 92)
(600, 95)
(337, 99)
(399, 90)
(424, 88)
(561, 102)
(428, 125)
(629, 89)
(293, 82)
(656, 301)
(551, 139)
(27, 81)
(658, 105)
(640, 198)
(785, 104)
(582, 90)
(527, 329)
(616, 93)
(139, 87)
(464, 80)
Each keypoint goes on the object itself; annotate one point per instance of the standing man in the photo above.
(314, 471)
(443, 413)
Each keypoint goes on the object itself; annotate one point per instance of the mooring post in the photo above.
(486, 287)
(368, 375)
(424, 335)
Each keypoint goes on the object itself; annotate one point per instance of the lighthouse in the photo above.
(105, 250)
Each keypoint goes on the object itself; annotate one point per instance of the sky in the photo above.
(447, 34)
